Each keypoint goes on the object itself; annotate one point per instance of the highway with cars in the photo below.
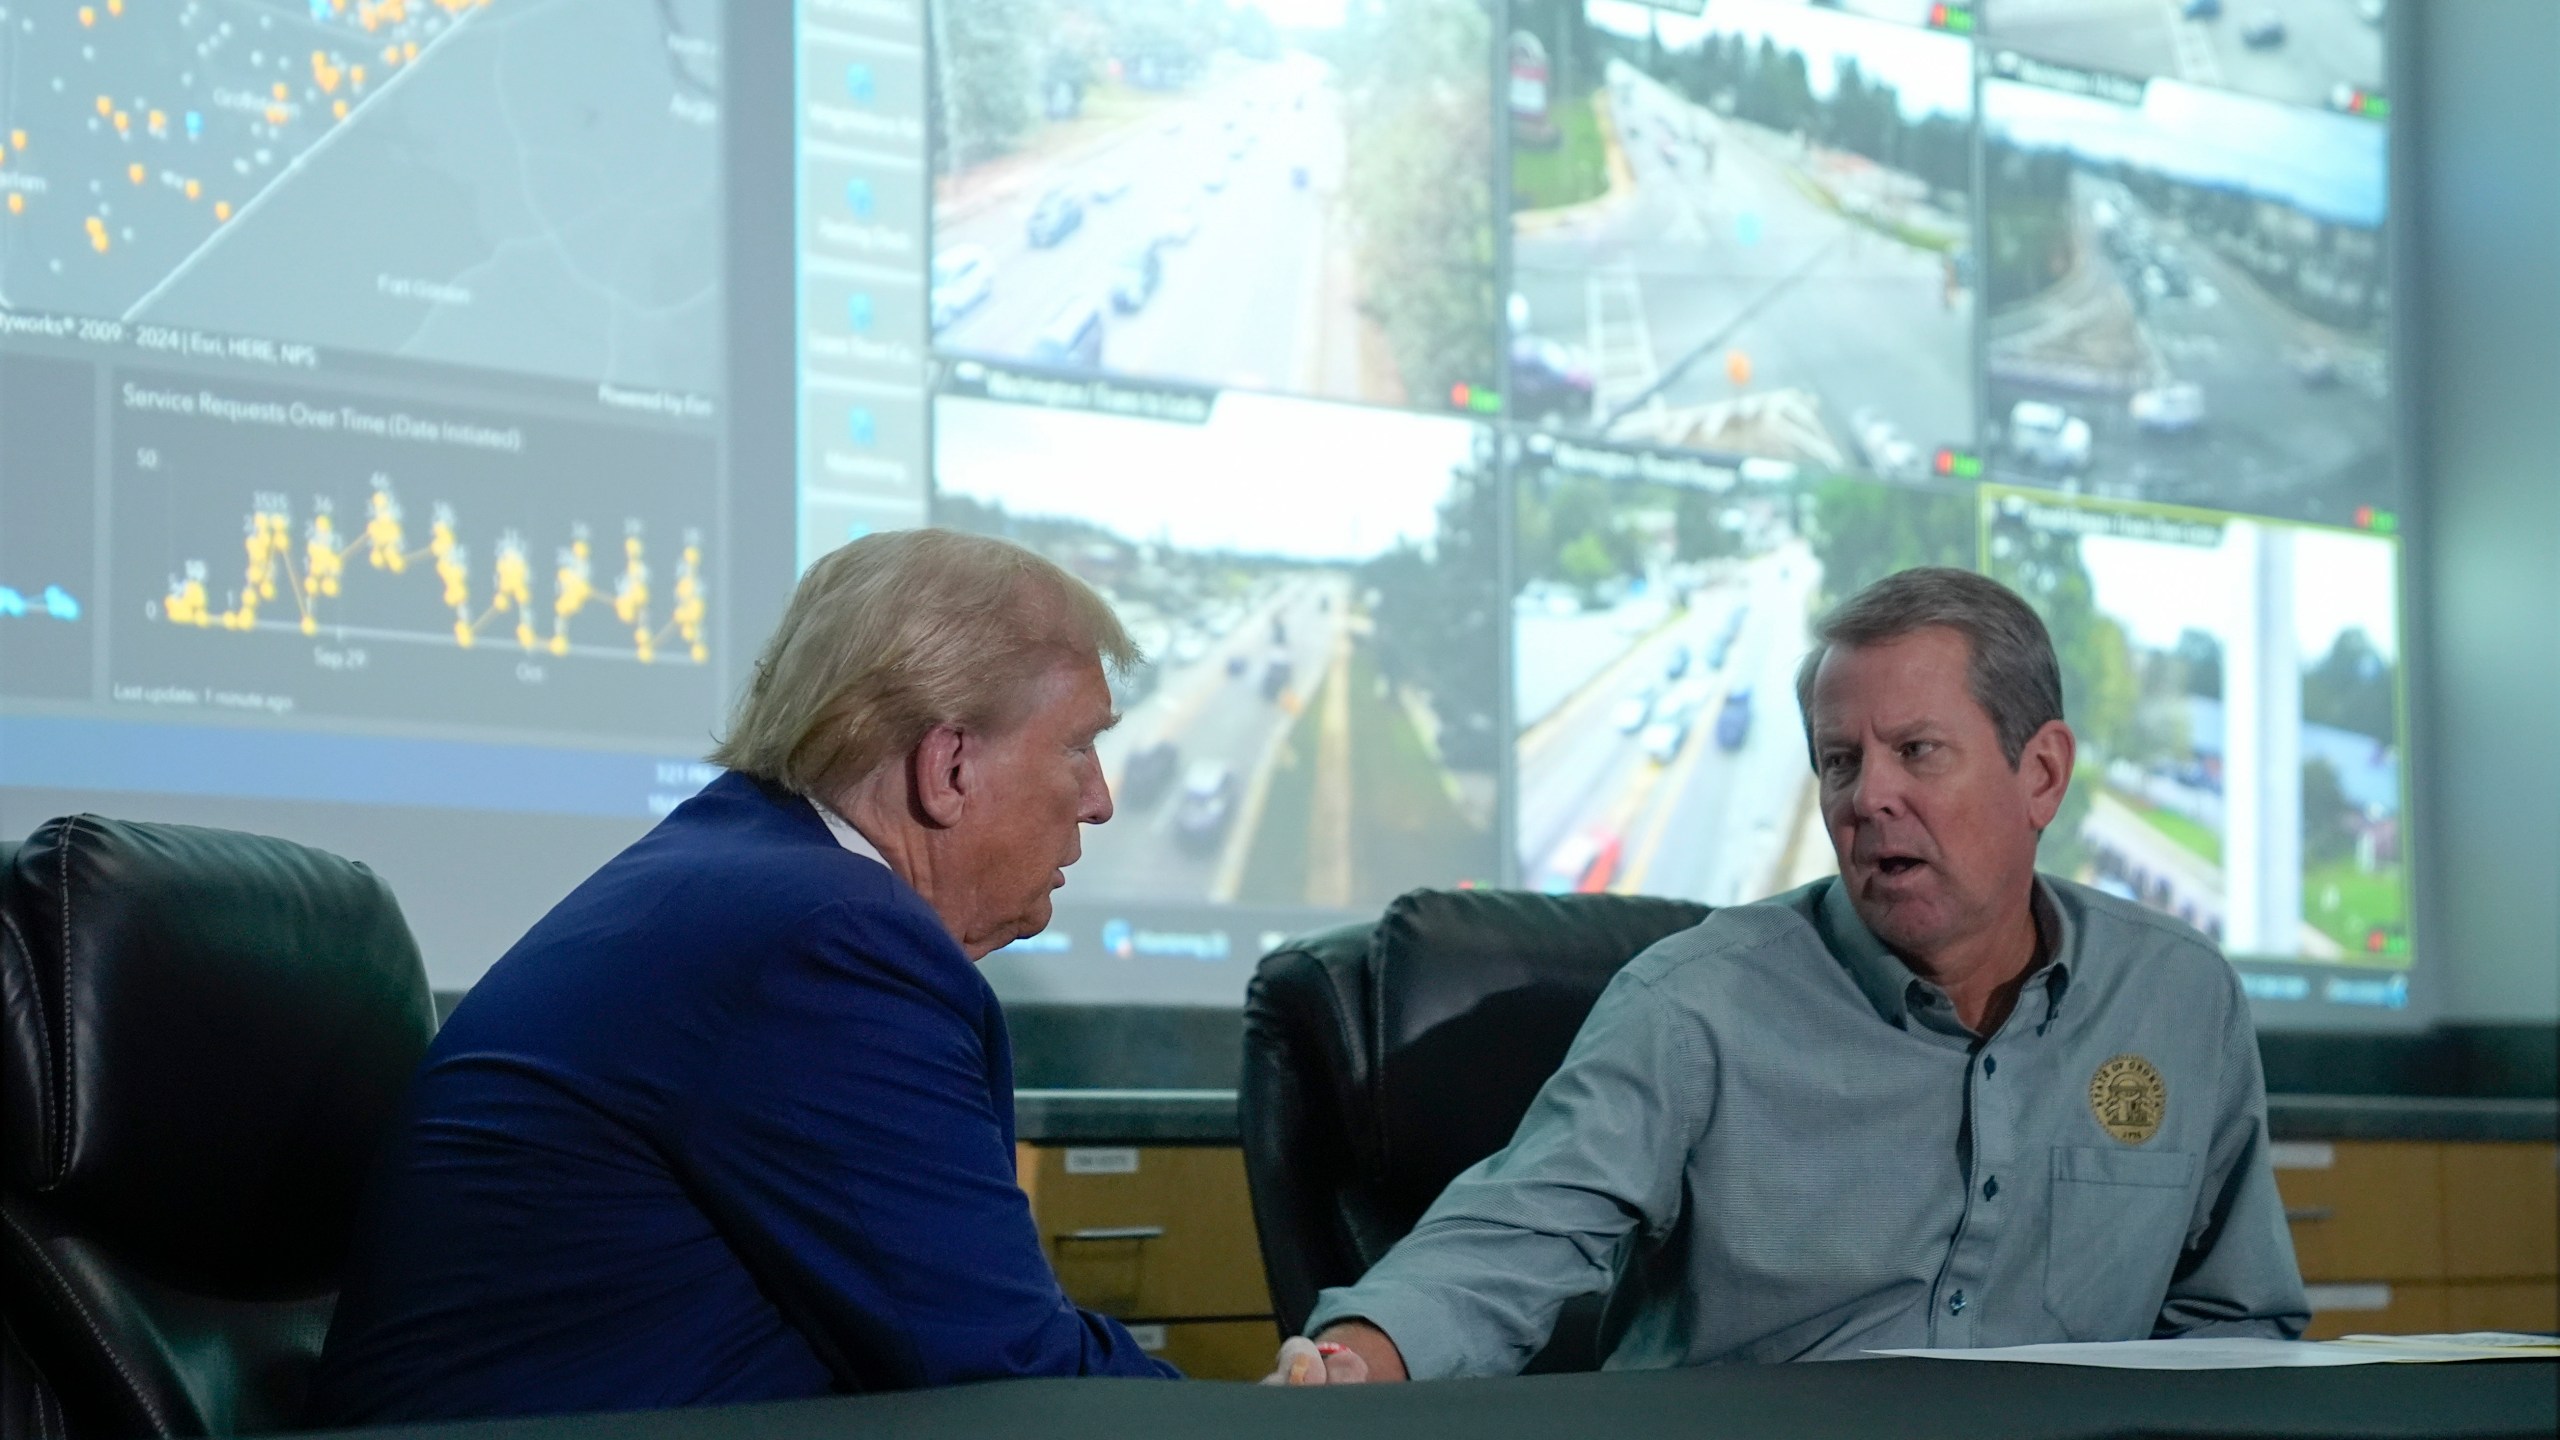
(1189, 244)
(1678, 769)
(1225, 690)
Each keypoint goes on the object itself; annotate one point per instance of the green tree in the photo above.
(2329, 819)
(2353, 688)
(1418, 110)
(988, 64)
(1864, 530)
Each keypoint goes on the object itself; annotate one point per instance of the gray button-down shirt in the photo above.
(1772, 1141)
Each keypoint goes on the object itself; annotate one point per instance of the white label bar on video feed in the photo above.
(2327, 1298)
(1102, 1160)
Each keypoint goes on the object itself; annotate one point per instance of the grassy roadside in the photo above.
(1275, 868)
(1574, 170)
(1405, 829)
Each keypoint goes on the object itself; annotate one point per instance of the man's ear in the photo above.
(938, 775)
(2044, 771)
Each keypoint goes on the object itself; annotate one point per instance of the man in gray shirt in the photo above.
(1940, 1100)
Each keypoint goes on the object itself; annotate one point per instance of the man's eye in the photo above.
(1918, 748)
(1834, 763)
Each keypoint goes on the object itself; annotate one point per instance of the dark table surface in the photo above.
(1920, 1399)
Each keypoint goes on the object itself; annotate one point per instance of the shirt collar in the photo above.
(846, 835)
(1888, 984)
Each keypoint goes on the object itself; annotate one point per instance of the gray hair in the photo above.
(899, 632)
(2013, 674)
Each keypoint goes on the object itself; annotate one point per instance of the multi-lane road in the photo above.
(2325, 43)
(1705, 815)
(2292, 420)
(1214, 708)
(1719, 248)
(1235, 190)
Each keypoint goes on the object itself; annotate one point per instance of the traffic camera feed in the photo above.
(1660, 608)
(1291, 197)
(2188, 296)
(1743, 232)
(2302, 52)
(1315, 722)
(2235, 685)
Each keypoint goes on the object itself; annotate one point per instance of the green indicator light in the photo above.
(2385, 523)
(1960, 22)
(1484, 402)
(2377, 107)
(1968, 467)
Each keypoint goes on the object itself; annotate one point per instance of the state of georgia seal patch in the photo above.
(2129, 1098)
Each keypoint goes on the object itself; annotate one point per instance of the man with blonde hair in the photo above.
(734, 1121)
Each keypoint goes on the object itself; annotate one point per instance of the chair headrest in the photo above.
(209, 1033)
(1475, 997)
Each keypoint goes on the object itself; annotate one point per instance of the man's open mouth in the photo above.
(1897, 864)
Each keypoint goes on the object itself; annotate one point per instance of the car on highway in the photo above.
(2047, 436)
(1584, 864)
(1733, 719)
(963, 277)
(1276, 673)
(1216, 179)
(1110, 187)
(1072, 337)
(1548, 379)
(1722, 649)
(1180, 224)
(1135, 282)
(1054, 218)
(2264, 31)
(1629, 715)
(1298, 177)
(1887, 452)
(1208, 802)
(2201, 9)
(1663, 738)
(2316, 369)
(2176, 408)
(1149, 774)
(1676, 664)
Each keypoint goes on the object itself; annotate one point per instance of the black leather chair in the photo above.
(1382, 1059)
(207, 1036)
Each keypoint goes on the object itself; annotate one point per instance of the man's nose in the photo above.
(1879, 790)
(1097, 799)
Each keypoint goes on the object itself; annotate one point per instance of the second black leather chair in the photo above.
(1382, 1059)
(208, 1034)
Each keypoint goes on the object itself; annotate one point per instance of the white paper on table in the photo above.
(2241, 1353)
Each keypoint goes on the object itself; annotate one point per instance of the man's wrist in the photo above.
(1370, 1343)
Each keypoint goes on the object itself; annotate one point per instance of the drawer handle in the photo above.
(1116, 1232)
(2305, 1215)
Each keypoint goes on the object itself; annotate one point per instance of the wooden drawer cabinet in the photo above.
(2503, 1305)
(1213, 1349)
(2501, 1212)
(2363, 1210)
(1149, 1232)
(2375, 1308)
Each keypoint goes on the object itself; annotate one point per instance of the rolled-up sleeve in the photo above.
(1474, 1290)
(2237, 1275)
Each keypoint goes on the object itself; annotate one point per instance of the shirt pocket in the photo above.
(2119, 1224)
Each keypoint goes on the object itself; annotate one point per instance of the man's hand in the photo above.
(1345, 1354)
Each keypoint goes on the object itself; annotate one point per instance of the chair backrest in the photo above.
(1382, 1059)
(208, 1034)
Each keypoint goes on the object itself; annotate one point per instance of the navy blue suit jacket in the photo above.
(733, 1122)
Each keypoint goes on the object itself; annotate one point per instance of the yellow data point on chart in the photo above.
(115, 7)
(221, 210)
(134, 172)
(88, 15)
(157, 122)
(98, 240)
(124, 123)
(339, 109)
(18, 141)
(17, 202)
(106, 108)
(195, 188)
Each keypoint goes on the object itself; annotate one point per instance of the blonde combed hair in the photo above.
(899, 632)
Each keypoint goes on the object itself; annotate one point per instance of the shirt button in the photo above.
(1991, 1188)
(1955, 1303)
(1990, 1064)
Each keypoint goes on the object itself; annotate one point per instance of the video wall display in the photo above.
(1470, 407)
